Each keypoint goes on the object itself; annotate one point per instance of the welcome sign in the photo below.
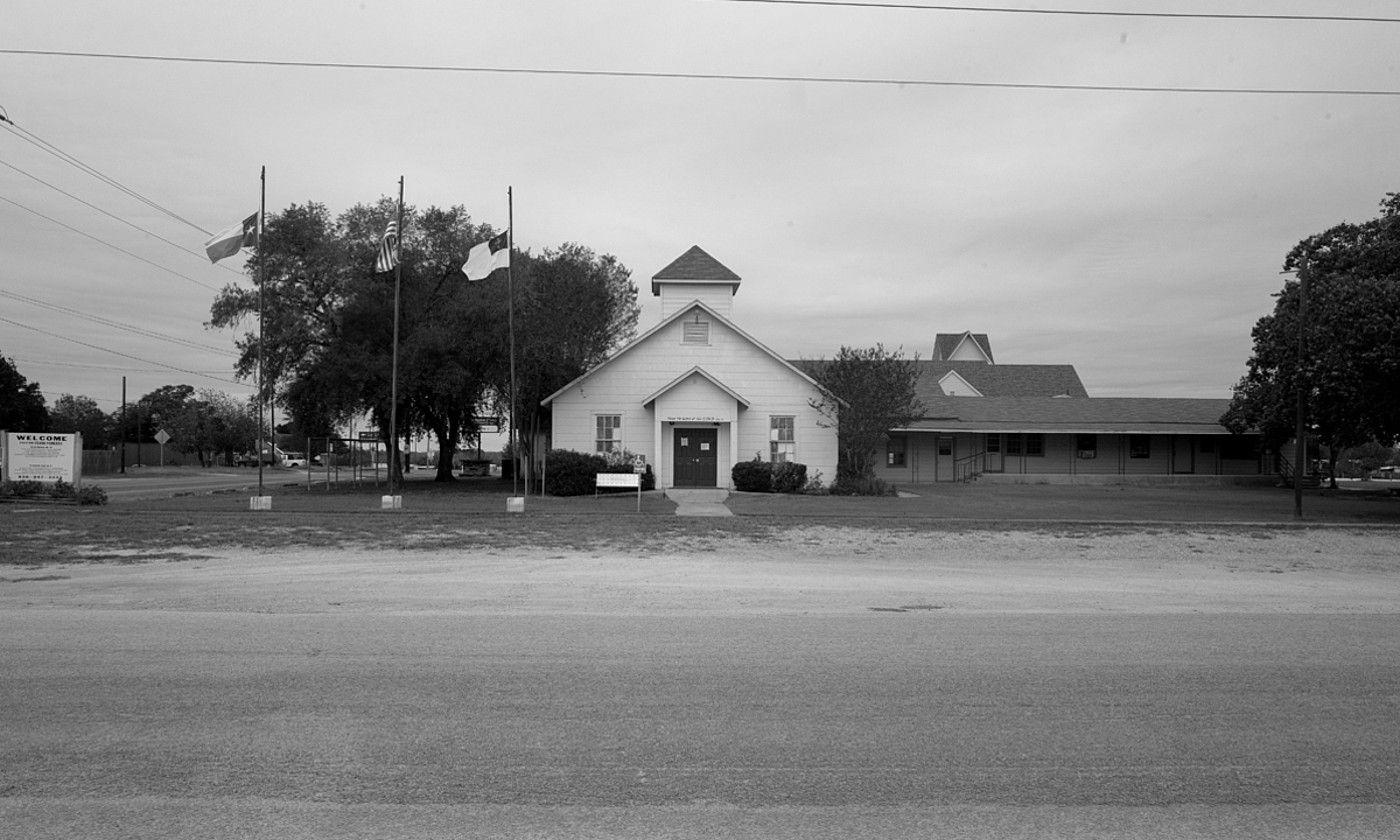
(41, 457)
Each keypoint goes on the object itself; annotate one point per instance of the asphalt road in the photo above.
(137, 723)
(158, 483)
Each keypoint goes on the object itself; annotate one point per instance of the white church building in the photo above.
(696, 394)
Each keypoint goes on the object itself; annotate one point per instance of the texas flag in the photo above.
(227, 242)
(486, 257)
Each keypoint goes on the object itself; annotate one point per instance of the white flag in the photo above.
(486, 257)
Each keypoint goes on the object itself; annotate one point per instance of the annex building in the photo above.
(1030, 422)
(696, 394)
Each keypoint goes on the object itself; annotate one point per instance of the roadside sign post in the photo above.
(162, 437)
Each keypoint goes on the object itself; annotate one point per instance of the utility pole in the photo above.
(1300, 426)
(123, 425)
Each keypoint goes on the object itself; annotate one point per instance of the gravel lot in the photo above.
(781, 569)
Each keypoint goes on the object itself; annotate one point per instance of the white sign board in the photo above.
(42, 457)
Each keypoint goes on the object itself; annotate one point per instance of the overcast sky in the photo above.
(1135, 234)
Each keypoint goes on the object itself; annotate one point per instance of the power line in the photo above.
(940, 7)
(39, 142)
(108, 244)
(88, 366)
(97, 319)
(728, 77)
(202, 257)
(118, 352)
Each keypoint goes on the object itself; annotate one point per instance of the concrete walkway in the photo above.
(699, 502)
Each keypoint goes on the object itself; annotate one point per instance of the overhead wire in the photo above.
(190, 251)
(109, 244)
(117, 352)
(39, 142)
(1017, 10)
(50, 363)
(108, 322)
(736, 77)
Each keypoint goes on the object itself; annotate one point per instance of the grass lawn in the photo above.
(471, 514)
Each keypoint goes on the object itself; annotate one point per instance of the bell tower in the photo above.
(695, 275)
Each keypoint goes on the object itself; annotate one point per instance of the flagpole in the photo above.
(510, 317)
(394, 365)
(262, 276)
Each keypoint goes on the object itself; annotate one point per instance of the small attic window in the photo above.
(696, 332)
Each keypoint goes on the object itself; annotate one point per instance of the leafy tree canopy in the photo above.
(1350, 362)
(574, 309)
(22, 406)
(80, 414)
(868, 392)
(328, 337)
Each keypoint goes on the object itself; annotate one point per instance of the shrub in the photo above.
(570, 473)
(21, 489)
(862, 486)
(625, 462)
(789, 477)
(58, 491)
(760, 476)
(754, 476)
(92, 496)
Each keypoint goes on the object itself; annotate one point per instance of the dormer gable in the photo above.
(954, 385)
(962, 347)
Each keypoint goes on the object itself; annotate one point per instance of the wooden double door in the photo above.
(695, 454)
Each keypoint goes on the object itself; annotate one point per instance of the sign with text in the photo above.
(42, 457)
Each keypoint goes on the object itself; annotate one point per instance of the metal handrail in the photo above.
(969, 467)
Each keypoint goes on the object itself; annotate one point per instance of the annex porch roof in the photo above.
(1067, 415)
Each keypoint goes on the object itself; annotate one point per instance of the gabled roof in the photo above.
(1123, 415)
(676, 316)
(946, 344)
(703, 374)
(1000, 380)
(959, 384)
(694, 266)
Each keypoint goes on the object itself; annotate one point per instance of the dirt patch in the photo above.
(790, 571)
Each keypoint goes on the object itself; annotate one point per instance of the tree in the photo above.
(327, 336)
(449, 334)
(80, 414)
(1351, 344)
(303, 268)
(22, 406)
(163, 408)
(211, 424)
(866, 394)
(1361, 461)
(574, 308)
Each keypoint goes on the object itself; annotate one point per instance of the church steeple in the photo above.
(695, 275)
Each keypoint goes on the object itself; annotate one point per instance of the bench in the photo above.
(619, 480)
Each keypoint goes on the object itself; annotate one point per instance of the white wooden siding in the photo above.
(717, 296)
(767, 383)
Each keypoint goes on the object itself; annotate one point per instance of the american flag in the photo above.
(388, 249)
